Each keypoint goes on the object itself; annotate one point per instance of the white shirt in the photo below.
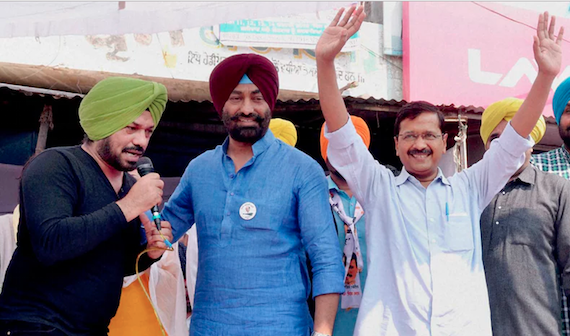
(425, 269)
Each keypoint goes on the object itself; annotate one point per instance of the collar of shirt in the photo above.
(404, 176)
(334, 186)
(527, 176)
(565, 153)
(258, 147)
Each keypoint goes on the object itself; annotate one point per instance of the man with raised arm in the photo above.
(425, 270)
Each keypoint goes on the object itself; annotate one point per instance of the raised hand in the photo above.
(338, 32)
(547, 47)
(548, 56)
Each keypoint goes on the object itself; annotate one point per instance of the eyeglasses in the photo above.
(412, 137)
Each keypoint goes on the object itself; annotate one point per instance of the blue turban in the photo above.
(561, 98)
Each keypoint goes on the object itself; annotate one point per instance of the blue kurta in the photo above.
(252, 274)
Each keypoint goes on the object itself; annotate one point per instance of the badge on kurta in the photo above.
(247, 211)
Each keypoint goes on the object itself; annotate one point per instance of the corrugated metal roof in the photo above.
(391, 102)
(29, 91)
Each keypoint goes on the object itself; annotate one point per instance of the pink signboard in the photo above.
(468, 53)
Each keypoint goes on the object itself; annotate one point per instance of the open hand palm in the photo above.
(549, 59)
(332, 40)
(547, 47)
(338, 32)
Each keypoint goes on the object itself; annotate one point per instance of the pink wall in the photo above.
(459, 53)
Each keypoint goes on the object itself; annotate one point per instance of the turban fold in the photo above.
(115, 102)
(361, 129)
(284, 130)
(226, 76)
(506, 110)
(561, 99)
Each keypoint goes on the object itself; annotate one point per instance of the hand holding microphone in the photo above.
(144, 168)
(145, 194)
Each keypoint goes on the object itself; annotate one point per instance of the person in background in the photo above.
(8, 230)
(350, 225)
(284, 130)
(557, 161)
(525, 234)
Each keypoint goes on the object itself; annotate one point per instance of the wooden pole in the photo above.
(46, 124)
(460, 156)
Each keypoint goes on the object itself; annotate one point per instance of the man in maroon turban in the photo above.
(245, 69)
(260, 207)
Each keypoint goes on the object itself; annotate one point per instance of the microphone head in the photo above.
(144, 166)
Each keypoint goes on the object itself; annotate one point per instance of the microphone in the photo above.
(144, 167)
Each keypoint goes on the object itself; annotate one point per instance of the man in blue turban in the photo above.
(561, 99)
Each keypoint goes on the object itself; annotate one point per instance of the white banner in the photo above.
(18, 19)
(276, 34)
(191, 54)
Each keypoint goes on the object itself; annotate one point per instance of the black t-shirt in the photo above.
(74, 245)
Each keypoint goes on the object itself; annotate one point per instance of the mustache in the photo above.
(136, 149)
(426, 151)
(254, 116)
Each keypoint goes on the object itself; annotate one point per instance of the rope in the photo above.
(459, 141)
(155, 310)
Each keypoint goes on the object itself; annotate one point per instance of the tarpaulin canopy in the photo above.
(18, 19)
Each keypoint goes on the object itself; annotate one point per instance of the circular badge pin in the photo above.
(247, 211)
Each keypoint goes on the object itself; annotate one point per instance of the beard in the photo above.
(565, 134)
(247, 134)
(105, 151)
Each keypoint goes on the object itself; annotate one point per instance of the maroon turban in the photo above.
(226, 76)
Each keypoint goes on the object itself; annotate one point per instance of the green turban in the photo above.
(115, 102)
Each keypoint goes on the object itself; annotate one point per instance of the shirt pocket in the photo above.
(458, 233)
(526, 227)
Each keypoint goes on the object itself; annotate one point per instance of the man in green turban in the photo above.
(115, 102)
(81, 215)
